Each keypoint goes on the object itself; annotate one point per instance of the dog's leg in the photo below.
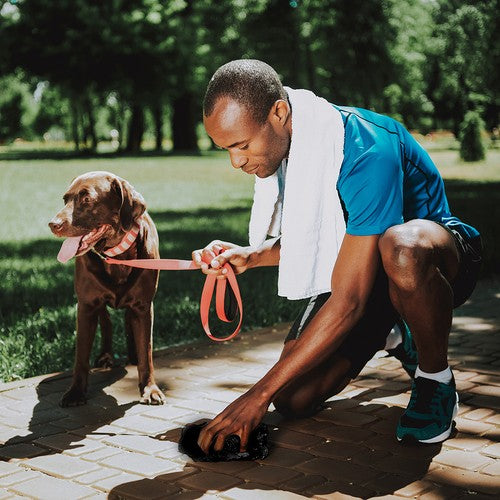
(105, 359)
(141, 322)
(85, 333)
(129, 331)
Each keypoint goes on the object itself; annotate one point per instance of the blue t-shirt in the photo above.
(387, 178)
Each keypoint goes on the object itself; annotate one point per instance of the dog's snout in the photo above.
(56, 225)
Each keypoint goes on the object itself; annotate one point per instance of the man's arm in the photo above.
(352, 281)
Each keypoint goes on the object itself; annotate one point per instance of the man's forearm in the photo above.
(268, 254)
(319, 340)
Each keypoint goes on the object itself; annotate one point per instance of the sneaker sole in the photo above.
(440, 437)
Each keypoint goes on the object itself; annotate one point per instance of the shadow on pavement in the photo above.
(319, 455)
(71, 425)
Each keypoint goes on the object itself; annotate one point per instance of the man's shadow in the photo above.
(318, 455)
(47, 418)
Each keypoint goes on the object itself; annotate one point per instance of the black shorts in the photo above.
(370, 333)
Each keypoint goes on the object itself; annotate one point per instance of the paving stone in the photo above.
(96, 476)
(69, 443)
(303, 482)
(291, 439)
(140, 444)
(492, 451)
(468, 480)
(141, 424)
(143, 489)
(336, 449)
(60, 466)
(49, 488)
(109, 483)
(269, 474)
(339, 490)
(100, 454)
(253, 491)
(20, 451)
(137, 463)
(493, 469)
(346, 418)
(7, 468)
(414, 489)
(466, 443)
(284, 457)
(464, 460)
(17, 477)
(335, 469)
(479, 414)
(209, 481)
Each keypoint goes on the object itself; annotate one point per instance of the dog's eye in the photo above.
(86, 199)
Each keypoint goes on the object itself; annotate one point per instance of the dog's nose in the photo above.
(55, 225)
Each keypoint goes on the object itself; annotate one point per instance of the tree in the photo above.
(471, 143)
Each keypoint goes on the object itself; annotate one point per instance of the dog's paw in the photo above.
(152, 395)
(73, 397)
(105, 360)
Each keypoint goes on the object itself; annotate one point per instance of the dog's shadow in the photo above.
(42, 427)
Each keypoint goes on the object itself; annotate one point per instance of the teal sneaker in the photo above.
(406, 352)
(430, 413)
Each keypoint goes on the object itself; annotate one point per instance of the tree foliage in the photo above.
(424, 62)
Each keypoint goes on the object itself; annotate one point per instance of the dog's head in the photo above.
(99, 207)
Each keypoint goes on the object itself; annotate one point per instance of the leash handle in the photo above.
(211, 284)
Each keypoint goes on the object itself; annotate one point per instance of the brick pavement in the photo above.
(116, 448)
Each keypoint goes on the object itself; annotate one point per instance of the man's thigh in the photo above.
(457, 258)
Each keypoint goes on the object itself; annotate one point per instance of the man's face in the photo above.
(254, 148)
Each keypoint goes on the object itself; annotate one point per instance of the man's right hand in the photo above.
(212, 258)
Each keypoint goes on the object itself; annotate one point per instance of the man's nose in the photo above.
(238, 160)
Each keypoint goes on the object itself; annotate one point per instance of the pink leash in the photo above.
(207, 292)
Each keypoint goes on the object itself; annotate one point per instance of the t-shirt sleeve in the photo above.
(371, 190)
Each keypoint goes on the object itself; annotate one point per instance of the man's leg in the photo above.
(421, 260)
(305, 395)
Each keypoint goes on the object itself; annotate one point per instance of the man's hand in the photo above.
(240, 418)
(211, 260)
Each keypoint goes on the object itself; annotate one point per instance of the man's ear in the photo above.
(280, 111)
(132, 203)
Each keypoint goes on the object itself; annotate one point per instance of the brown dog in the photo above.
(102, 212)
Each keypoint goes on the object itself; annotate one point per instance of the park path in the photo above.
(116, 448)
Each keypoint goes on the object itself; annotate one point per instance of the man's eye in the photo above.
(244, 147)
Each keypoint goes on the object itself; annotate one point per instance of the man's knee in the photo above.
(407, 255)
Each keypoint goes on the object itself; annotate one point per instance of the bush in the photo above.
(471, 144)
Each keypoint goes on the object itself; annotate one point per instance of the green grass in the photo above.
(192, 200)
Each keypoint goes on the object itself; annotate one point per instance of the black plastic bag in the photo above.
(257, 447)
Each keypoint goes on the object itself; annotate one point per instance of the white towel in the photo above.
(312, 220)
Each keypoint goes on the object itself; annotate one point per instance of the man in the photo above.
(362, 227)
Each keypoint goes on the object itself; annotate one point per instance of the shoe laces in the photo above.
(425, 392)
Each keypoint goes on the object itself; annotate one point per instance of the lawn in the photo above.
(192, 200)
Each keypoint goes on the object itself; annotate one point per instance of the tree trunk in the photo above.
(184, 124)
(157, 111)
(74, 125)
(136, 129)
(91, 124)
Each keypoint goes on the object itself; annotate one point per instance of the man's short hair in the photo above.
(249, 82)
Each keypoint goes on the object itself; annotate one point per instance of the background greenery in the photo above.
(77, 69)
(111, 78)
(37, 303)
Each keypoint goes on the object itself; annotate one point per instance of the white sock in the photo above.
(443, 376)
(394, 338)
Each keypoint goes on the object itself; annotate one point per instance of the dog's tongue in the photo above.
(69, 248)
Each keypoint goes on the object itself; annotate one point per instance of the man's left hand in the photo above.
(239, 418)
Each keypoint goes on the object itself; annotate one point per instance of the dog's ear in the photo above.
(132, 203)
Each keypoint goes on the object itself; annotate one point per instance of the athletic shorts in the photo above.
(370, 333)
